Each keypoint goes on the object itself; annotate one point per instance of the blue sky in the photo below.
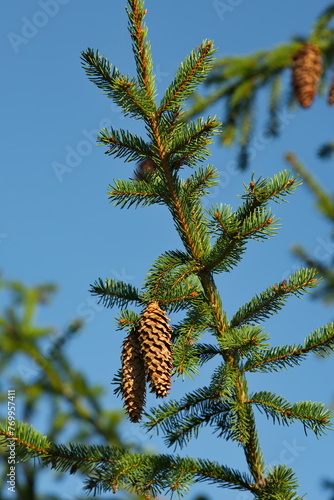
(61, 228)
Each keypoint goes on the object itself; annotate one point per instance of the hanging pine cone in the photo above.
(306, 72)
(133, 377)
(156, 348)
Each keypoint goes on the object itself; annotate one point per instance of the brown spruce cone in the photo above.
(306, 72)
(146, 166)
(133, 377)
(156, 348)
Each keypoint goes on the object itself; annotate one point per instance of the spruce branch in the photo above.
(321, 342)
(122, 144)
(141, 48)
(230, 246)
(28, 442)
(114, 293)
(222, 219)
(242, 95)
(55, 379)
(226, 253)
(314, 416)
(169, 123)
(159, 415)
(95, 461)
(74, 457)
(270, 301)
(166, 265)
(280, 484)
(321, 24)
(273, 124)
(185, 357)
(223, 382)
(173, 279)
(188, 146)
(242, 425)
(117, 382)
(180, 421)
(238, 82)
(275, 359)
(126, 319)
(187, 334)
(206, 352)
(181, 212)
(190, 222)
(199, 182)
(259, 225)
(260, 191)
(182, 429)
(324, 200)
(31, 444)
(213, 298)
(223, 476)
(189, 75)
(246, 113)
(251, 221)
(245, 341)
(239, 425)
(232, 74)
(99, 70)
(154, 475)
(124, 92)
(197, 215)
(181, 297)
(252, 448)
(125, 193)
